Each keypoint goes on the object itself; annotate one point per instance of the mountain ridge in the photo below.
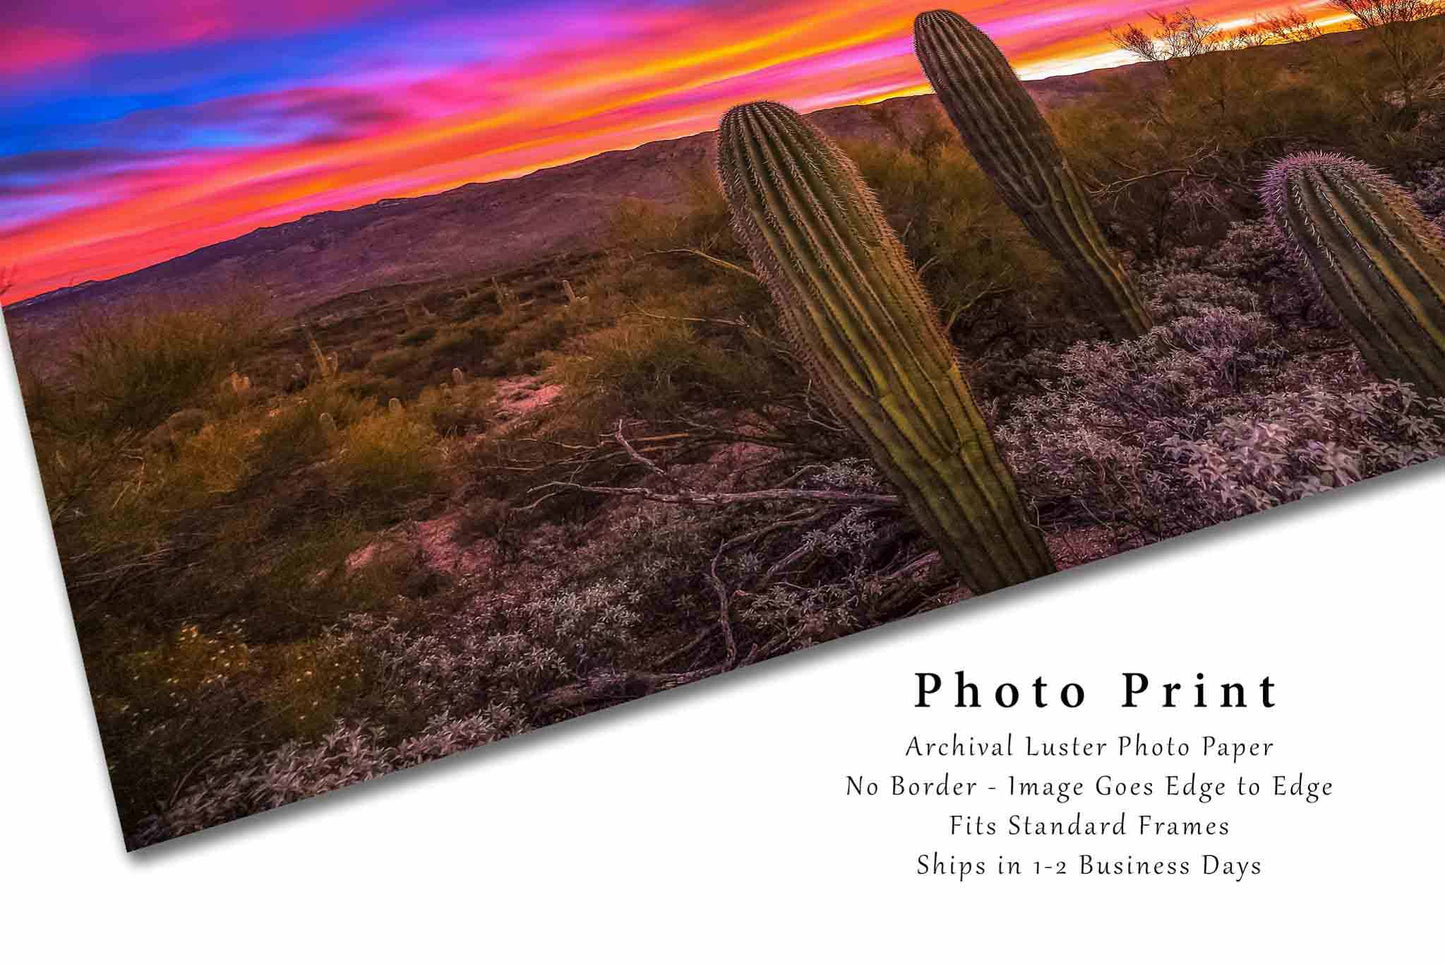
(477, 228)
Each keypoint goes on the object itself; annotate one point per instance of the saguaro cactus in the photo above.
(857, 316)
(327, 365)
(507, 299)
(1012, 143)
(1378, 262)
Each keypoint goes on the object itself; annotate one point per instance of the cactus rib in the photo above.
(1375, 258)
(855, 312)
(1009, 138)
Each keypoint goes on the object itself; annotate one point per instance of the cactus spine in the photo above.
(1012, 143)
(856, 314)
(1378, 262)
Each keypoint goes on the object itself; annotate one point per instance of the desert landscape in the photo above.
(348, 494)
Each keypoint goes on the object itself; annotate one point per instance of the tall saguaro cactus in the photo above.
(856, 314)
(1379, 263)
(1012, 143)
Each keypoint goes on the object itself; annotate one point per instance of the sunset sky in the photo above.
(132, 131)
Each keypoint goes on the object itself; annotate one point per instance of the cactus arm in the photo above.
(852, 306)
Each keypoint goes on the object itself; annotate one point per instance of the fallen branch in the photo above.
(692, 497)
(685, 496)
(710, 259)
(613, 688)
(724, 617)
(907, 569)
(639, 458)
(1117, 187)
(800, 518)
(750, 331)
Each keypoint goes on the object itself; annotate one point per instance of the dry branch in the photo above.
(693, 497)
(711, 259)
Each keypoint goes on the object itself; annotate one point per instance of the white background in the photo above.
(711, 822)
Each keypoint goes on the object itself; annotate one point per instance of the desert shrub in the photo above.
(306, 578)
(610, 599)
(395, 361)
(980, 265)
(793, 615)
(1203, 419)
(647, 367)
(423, 695)
(291, 431)
(1205, 78)
(1173, 158)
(214, 461)
(1085, 449)
(131, 369)
(385, 459)
(1391, 73)
(804, 577)
(237, 784)
(1179, 294)
(161, 515)
(458, 667)
(417, 336)
(521, 350)
(683, 262)
(295, 434)
(1250, 251)
(1248, 269)
(1429, 192)
(160, 700)
(463, 344)
(455, 409)
(703, 223)
(645, 561)
(1298, 443)
(165, 702)
(586, 625)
